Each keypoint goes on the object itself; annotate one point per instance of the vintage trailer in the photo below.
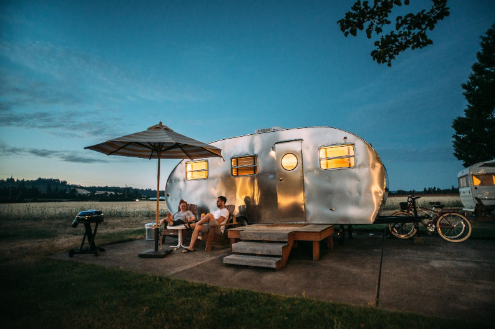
(317, 175)
(477, 183)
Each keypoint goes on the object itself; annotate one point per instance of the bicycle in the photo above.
(451, 226)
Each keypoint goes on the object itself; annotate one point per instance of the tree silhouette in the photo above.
(474, 138)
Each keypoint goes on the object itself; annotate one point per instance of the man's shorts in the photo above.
(206, 227)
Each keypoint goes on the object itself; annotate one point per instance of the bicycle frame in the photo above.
(431, 214)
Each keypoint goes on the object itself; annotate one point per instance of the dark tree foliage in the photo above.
(474, 138)
(45, 189)
(429, 190)
(410, 30)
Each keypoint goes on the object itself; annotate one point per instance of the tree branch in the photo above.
(410, 30)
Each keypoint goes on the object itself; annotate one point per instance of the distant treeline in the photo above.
(429, 190)
(49, 189)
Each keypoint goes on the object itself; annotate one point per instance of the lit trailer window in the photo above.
(244, 165)
(337, 156)
(197, 170)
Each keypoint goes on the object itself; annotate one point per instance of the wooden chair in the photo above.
(211, 236)
(185, 233)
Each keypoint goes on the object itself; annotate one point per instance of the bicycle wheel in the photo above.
(454, 227)
(402, 230)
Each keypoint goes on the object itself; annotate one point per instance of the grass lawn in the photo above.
(47, 293)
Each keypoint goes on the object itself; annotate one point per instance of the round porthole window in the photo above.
(289, 161)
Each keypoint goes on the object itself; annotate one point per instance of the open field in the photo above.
(68, 210)
(28, 229)
(45, 228)
(146, 209)
(450, 201)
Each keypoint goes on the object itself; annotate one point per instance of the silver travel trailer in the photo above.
(477, 187)
(317, 175)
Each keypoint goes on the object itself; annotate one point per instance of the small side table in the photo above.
(179, 235)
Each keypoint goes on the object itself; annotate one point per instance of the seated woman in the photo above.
(180, 217)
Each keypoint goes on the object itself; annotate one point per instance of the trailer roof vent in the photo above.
(268, 130)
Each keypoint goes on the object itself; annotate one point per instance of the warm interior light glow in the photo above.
(336, 151)
(197, 175)
(243, 166)
(484, 179)
(289, 161)
(197, 170)
(337, 156)
(336, 163)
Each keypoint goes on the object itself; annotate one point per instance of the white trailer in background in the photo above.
(477, 188)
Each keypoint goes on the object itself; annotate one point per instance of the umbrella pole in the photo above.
(156, 253)
(157, 228)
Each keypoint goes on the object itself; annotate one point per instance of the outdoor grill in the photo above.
(87, 218)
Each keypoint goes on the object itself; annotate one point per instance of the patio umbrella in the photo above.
(157, 142)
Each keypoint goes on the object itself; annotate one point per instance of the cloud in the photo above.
(72, 94)
(67, 124)
(7, 150)
(74, 75)
(21, 89)
(74, 157)
(67, 156)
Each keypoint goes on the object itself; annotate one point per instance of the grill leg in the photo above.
(93, 248)
(91, 236)
(82, 242)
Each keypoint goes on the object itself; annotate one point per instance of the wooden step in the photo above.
(258, 261)
(264, 236)
(259, 248)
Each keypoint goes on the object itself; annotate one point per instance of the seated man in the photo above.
(181, 217)
(217, 218)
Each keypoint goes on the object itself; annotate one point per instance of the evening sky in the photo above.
(76, 73)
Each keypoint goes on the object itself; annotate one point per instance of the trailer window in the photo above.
(463, 181)
(338, 156)
(246, 165)
(197, 170)
(484, 179)
(289, 161)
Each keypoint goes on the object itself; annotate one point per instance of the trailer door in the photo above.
(290, 181)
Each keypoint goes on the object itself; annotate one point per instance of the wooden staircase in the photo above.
(262, 249)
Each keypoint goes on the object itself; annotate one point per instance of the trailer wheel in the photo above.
(342, 235)
(402, 230)
(241, 221)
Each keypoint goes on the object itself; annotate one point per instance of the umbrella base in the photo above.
(152, 253)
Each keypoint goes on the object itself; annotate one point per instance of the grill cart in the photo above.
(86, 218)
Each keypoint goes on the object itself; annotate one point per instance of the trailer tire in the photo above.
(242, 221)
(402, 230)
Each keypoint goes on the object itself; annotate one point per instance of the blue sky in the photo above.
(76, 73)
